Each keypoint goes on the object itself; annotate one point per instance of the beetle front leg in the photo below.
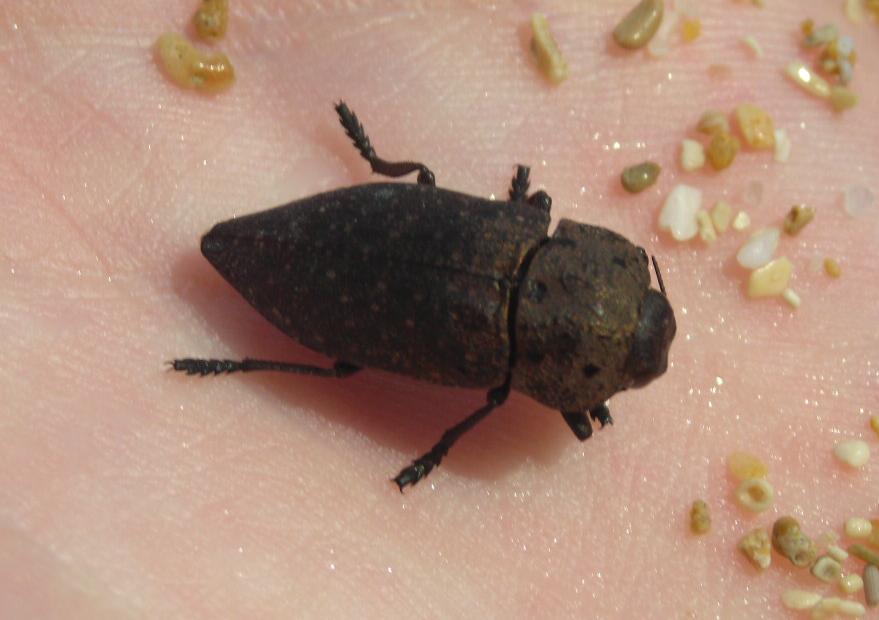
(205, 367)
(393, 169)
(425, 464)
(579, 423)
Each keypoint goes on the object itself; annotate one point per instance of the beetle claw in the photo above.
(415, 472)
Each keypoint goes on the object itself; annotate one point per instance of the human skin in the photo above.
(130, 491)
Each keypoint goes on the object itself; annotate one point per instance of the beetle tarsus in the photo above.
(355, 131)
(423, 465)
(579, 424)
(601, 414)
(204, 367)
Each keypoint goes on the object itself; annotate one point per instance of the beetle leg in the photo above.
(424, 464)
(205, 367)
(601, 414)
(579, 423)
(357, 134)
(520, 184)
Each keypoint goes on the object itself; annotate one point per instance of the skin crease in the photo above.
(129, 491)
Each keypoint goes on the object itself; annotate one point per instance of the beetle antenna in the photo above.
(658, 275)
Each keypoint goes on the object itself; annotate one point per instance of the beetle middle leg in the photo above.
(392, 169)
(424, 464)
(205, 367)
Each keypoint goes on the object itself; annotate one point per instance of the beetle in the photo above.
(449, 288)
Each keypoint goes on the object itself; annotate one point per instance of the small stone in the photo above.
(756, 126)
(639, 177)
(830, 606)
(755, 545)
(858, 527)
(745, 466)
(212, 19)
(190, 68)
(751, 42)
(851, 583)
(678, 214)
(837, 553)
(741, 221)
(712, 122)
(692, 155)
(759, 248)
(808, 80)
(792, 543)
(706, 227)
(800, 599)
(858, 200)
(771, 279)
(549, 57)
(866, 554)
(782, 146)
(700, 517)
(843, 98)
(721, 216)
(871, 585)
(874, 422)
(722, 149)
(791, 297)
(821, 36)
(854, 453)
(827, 569)
(690, 30)
(797, 218)
(639, 25)
(832, 269)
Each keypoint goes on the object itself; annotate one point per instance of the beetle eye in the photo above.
(648, 358)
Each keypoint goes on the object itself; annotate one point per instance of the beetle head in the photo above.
(648, 357)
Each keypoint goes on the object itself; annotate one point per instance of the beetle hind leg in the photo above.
(423, 465)
(392, 169)
(204, 367)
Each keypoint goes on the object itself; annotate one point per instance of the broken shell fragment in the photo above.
(792, 543)
(827, 569)
(755, 494)
(755, 546)
(639, 25)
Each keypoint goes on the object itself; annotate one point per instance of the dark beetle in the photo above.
(452, 289)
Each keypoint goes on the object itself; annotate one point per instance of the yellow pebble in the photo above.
(743, 465)
(771, 279)
(756, 126)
